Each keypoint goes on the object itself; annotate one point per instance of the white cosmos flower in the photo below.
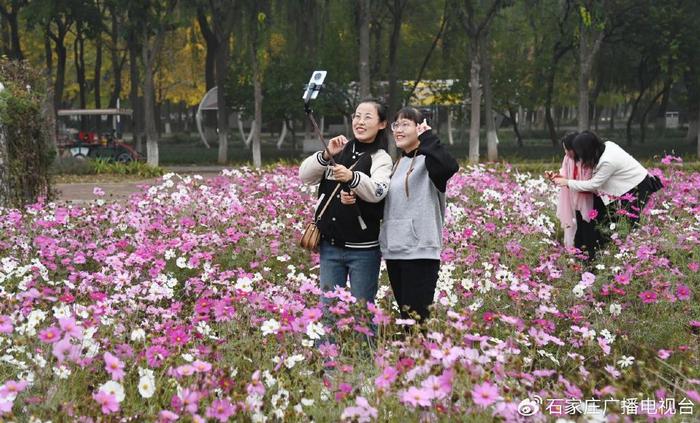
(147, 385)
(114, 388)
(270, 327)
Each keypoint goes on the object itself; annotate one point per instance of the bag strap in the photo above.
(330, 198)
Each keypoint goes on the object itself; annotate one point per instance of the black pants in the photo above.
(413, 283)
(589, 237)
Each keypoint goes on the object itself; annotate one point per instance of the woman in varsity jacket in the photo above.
(414, 213)
(349, 233)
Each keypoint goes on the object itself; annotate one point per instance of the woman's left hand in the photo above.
(342, 173)
(422, 127)
(347, 198)
(562, 182)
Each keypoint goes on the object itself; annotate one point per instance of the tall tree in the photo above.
(591, 33)
(57, 19)
(475, 18)
(257, 17)
(9, 9)
(363, 11)
(156, 17)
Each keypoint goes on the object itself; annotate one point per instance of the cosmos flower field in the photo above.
(192, 302)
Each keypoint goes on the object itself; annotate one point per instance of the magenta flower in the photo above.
(107, 401)
(648, 297)
(592, 214)
(683, 293)
(113, 366)
(177, 336)
(485, 394)
(155, 355)
(663, 354)
(6, 324)
(220, 409)
(416, 397)
(50, 335)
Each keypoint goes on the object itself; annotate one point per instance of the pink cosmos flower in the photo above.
(663, 354)
(6, 324)
(485, 394)
(113, 366)
(683, 292)
(416, 397)
(50, 335)
(107, 401)
(648, 297)
(190, 400)
(155, 355)
(437, 387)
(167, 416)
(221, 410)
(11, 388)
(388, 376)
(361, 412)
(70, 327)
(185, 370)
(6, 405)
(201, 366)
(592, 214)
(177, 336)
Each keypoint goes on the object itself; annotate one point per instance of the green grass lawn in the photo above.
(189, 150)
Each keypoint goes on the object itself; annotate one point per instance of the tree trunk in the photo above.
(450, 138)
(222, 111)
(475, 96)
(590, 41)
(150, 52)
(257, 94)
(548, 106)
(364, 9)
(643, 117)
(512, 114)
(394, 95)
(628, 126)
(137, 122)
(697, 131)
(4, 170)
(212, 47)
(11, 16)
(79, 61)
(660, 121)
(117, 62)
(491, 132)
(97, 80)
(59, 84)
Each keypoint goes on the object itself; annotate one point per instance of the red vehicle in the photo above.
(83, 144)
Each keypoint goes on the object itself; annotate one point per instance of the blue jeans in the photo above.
(361, 265)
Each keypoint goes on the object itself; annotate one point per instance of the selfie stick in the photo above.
(310, 93)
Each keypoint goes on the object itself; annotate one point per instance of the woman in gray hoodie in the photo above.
(410, 235)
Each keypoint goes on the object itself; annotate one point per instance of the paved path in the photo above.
(77, 193)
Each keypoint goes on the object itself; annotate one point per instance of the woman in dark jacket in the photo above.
(349, 233)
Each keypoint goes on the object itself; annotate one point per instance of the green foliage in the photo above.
(26, 131)
(73, 166)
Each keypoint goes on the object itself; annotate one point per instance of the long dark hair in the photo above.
(568, 139)
(588, 148)
(382, 138)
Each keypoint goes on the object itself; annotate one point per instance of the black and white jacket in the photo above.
(339, 224)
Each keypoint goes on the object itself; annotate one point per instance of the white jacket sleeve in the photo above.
(312, 168)
(373, 189)
(604, 171)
